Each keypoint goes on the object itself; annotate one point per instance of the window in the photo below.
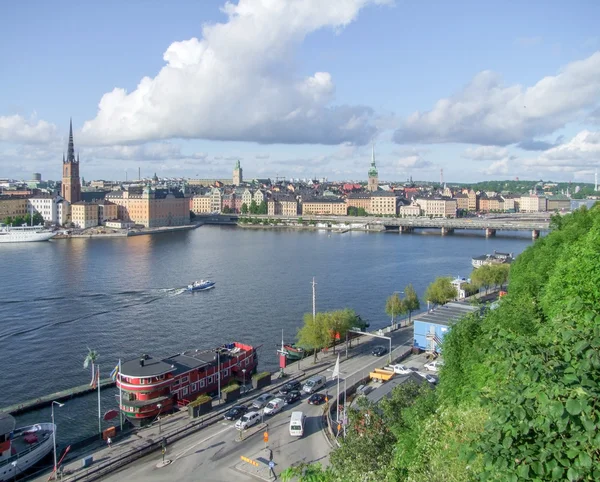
(202, 383)
(185, 379)
(185, 391)
(210, 379)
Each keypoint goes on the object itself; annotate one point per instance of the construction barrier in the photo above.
(250, 461)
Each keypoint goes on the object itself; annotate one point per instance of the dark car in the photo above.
(292, 397)
(235, 412)
(379, 351)
(316, 399)
(290, 386)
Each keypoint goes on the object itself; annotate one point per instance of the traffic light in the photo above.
(266, 437)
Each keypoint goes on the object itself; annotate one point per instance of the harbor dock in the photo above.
(46, 400)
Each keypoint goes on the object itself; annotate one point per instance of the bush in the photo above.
(201, 400)
(261, 375)
(232, 387)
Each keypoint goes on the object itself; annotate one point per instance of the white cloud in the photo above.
(17, 129)
(485, 153)
(486, 112)
(413, 162)
(580, 153)
(237, 83)
(499, 167)
(156, 151)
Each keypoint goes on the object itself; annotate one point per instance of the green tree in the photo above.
(411, 301)
(394, 306)
(314, 334)
(262, 208)
(352, 211)
(440, 291)
(361, 212)
(253, 207)
(226, 210)
(8, 220)
(244, 208)
(482, 277)
(338, 323)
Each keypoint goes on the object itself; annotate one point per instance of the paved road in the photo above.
(214, 453)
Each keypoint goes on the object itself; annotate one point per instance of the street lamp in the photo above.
(244, 374)
(54, 432)
(159, 406)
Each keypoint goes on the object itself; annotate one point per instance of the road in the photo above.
(214, 453)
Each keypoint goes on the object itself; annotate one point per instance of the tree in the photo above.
(8, 220)
(394, 306)
(338, 323)
(352, 211)
(262, 208)
(440, 291)
(314, 334)
(411, 301)
(253, 207)
(361, 212)
(244, 208)
(90, 359)
(226, 210)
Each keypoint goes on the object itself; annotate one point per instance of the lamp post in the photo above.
(159, 406)
(244, 374)
(54, 432)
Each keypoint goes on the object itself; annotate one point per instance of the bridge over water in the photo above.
(490, 225)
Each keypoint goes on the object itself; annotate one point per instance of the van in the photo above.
(297, 424)
(274, 406)
(314, 384)
(251, 418)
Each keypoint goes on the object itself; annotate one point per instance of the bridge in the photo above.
(490, 225)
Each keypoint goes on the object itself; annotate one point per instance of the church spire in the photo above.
(63, 157)
(71, 149)
(373, 168)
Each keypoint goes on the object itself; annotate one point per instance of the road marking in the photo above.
(181, 454)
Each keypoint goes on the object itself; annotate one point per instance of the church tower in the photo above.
(71, 186)
(373, 184)
(237, 174)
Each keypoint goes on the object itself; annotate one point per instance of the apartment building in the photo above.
(282, 205)
(532, 204)
(84, 215)
(437, 207)
(385, 203)
(322, 206)
(200, 204)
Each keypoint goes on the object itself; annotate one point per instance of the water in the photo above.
(124, 297)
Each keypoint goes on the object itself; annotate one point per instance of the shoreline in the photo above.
(127, 234)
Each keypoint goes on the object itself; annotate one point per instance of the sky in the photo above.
(302, 88)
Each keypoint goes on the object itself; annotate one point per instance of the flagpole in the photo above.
(99, 410)
(338, 398)
(120, 396)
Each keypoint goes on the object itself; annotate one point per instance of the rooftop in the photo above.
(448, 313)
(385, 390)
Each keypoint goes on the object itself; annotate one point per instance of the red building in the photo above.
(151, 386)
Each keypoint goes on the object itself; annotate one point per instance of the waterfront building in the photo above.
(84, 215)
(509, 203)
(410, 210)
(532, 203)
(107, 211)
(216, 200)
(228, 201)
(45, 205)
(151, 208)
(208, 182)
(237, 174)
(385, 203)
(437, 207)
(496, 204)
(473, 201)
(359, 200)
(71, 185)
(484, 203)
(462, 201)
(282, 204)
(447, 192)
(560, 202)
(12, 206)
(321, 206)
(200, 204)
(373, 183)
(247, 198)
(259, 197)
(63, 211)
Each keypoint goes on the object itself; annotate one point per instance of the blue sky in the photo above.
(481, 90)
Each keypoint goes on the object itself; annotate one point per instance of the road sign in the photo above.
(266, 437)
(271, 464)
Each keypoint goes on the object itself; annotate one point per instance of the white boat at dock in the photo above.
(24, 234)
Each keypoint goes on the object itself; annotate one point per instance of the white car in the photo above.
(400, 369)
(247, 420)
(274, 406)
(433, 366)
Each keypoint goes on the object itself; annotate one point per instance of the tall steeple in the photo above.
(71, 148)
(373, 183)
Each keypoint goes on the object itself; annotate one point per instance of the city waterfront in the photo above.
(124, 297)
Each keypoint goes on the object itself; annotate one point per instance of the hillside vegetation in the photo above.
(519, 394)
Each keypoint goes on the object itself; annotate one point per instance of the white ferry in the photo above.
(22, 448)
(24, 234)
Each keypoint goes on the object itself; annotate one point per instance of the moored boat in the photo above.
(24, 234)
(151, 386)
(293, 352)
(22, 448)
(201, 285)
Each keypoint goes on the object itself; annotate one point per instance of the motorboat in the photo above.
(201, 285)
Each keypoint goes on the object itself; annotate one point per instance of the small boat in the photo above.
(22, 448)
(201, 285)
(293, 352)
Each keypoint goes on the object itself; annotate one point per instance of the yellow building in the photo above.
(200, 204)
(84, 215)
(437, 208)
(359, 200)
(326, 207)
(152, 208)
(384, 203)
(107, 211)
(282, 206)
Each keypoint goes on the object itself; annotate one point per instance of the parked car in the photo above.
(433, 366)
(290, 386)
(431, 379)
(261, 401)
(292, 397)
(235, 412)
(316, 399)
(400, 369)
(364, 389)
(379, 351)
(274, 406)
(247, 420)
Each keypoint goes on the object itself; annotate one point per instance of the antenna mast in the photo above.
(441, 177)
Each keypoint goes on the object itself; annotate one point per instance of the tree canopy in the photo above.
(440, 291)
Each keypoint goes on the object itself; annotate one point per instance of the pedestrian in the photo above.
(109, 442)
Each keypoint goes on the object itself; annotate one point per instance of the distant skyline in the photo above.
(482, 90)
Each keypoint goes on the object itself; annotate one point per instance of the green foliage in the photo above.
(338, 323)
(411, 300)
(440, 291)
(321, 331)
(262, 208)
(244, 208)
(352, 211)
(26, 219)
(232, 387)
(490, 275)
(226, 210)
(361, 212)
(394, 306)
(253, 207)
(201, 400)
(260, 376)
